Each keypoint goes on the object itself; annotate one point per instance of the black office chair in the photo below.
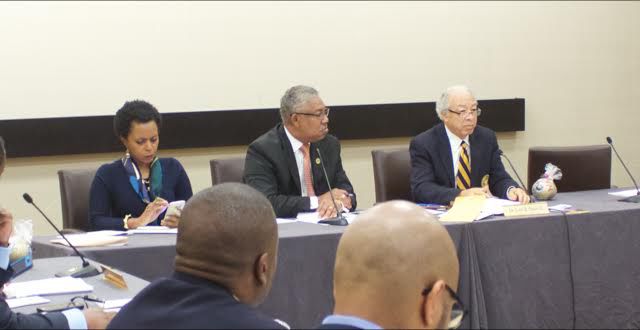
(226, 170)
(583, 167)
(391, 172)
(74, 197)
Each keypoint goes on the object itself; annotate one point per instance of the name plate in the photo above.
(113, 277)
(526, 209)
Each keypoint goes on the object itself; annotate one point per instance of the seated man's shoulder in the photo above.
(268, 138)
(429, 136)
(193, 305)
(329, 140)
(483, 132)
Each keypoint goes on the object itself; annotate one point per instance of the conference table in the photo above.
(546, 271)
(46, 268)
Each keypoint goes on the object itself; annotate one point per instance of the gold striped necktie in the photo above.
(463, 178)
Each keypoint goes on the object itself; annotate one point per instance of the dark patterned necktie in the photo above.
(463, 178)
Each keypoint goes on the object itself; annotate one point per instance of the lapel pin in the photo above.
(317, 161)
(485, 180)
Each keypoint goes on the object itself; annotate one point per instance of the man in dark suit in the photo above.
(284, 163)
(388, 277)
(226, 254)
(457, 157)
(69, 319)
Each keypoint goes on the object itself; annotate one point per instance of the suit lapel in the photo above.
(444, 150)
(290, 158)
(476, 153)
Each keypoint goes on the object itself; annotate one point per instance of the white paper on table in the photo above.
(49, 286)
(98, 233)
(625, 193)
(493, 206)
(560, 207)
(437, 213)
(153, 230)
(314, 217)
(283, 221)
(26, 301)
(86, 240)
(114, 303)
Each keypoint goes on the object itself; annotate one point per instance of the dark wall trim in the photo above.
(94, 134)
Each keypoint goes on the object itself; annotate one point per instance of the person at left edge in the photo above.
(135, 190)
(68, 319)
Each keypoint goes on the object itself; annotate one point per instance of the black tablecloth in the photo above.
(524, 272)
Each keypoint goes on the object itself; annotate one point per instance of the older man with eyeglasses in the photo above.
(285, 164)
(396, 268)
(457, 157)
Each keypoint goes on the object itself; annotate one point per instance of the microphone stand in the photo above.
(339, 219)
(86, 270)
(533, 199)
(630, 199)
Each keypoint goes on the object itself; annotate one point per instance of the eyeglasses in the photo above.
(324, 112)
(465, 114)
(457, 311)
(83, 300)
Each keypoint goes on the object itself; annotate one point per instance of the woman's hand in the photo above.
(151, 212)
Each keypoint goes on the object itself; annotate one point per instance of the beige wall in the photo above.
(576, 64)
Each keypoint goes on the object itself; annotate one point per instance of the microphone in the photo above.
(86, 270)
(533, 199)
(631, 199)
(339, 220)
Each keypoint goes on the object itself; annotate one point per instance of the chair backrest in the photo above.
(391, 171)
(226, 170)
(583, 167)
(74, 197)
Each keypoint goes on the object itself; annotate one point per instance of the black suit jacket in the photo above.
(432, 179)
(184, 301)
(270, 167)
(11, 320)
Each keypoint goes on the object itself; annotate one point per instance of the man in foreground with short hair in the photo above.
(396, 268)
(285, 166)
(457, 157)
(226, 254)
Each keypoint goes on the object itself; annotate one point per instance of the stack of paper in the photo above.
(26, 301)
(494, 206)
(625, 193)
(283, 221)
(470, 208)
(465, 209)
(98, 238)
(49, 286)
(114, 305)
(153, 230)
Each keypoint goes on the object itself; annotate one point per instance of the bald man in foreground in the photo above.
(396, 268)
(224, 267)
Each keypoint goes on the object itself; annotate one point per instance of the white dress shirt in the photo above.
(455, 141)
(295, 145)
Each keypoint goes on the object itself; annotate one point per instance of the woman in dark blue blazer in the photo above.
(135, 191)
